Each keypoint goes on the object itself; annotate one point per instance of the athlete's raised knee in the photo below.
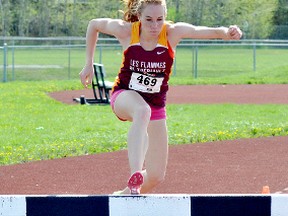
(142, 113)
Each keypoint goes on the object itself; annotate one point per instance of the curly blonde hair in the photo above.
(134, 7)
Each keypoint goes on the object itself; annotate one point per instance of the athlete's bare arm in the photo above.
(108, 26)
(115, 27)
(181, 30)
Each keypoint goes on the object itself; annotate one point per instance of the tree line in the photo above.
(259, 19)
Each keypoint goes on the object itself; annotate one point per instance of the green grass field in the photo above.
(35, 127)
(230, 65)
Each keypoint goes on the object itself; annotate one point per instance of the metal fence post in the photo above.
(69, 59)
(13, 60)
(100, 54)
(174, 69)
(5, 62)
(254, 57)
(195, 58)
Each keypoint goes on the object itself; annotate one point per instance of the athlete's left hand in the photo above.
(234, 33)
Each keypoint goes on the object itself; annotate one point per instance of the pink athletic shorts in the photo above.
(156, 113)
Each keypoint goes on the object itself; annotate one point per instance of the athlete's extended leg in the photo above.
(131, 106)
(156, 156)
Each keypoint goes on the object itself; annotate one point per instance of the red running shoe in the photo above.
(135, 182)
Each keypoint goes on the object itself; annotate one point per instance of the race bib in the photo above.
(144, 83)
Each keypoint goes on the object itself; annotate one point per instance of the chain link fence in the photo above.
(29, 59)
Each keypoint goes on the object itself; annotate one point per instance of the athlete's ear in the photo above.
(139, 16)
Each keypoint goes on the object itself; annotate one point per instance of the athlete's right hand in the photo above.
(86, 75)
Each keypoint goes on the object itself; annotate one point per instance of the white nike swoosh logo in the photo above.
(159, 53)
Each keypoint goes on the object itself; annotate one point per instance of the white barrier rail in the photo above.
(150, 205)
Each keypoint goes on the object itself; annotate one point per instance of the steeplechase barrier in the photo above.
(150, 205)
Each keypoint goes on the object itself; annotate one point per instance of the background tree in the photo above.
(46, 18)
(6, 17)
(280, 20)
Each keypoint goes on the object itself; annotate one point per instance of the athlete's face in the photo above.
(152, 19)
